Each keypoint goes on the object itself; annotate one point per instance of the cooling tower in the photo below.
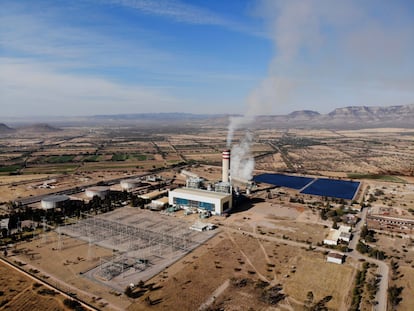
(226, 166)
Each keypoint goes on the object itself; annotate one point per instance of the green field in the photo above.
(126, 156)
(119, 157)
(376, 177)
(92, 158)
(9, 168)
(60, 159)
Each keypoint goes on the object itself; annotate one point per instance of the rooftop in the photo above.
(201, 192)
(55, 198)
(336, 255)
(153, 194)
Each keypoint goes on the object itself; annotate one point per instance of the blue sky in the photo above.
(91, 57)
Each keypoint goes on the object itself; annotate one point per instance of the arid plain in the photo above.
(268, 254)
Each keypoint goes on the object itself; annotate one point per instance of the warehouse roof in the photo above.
(201, 192)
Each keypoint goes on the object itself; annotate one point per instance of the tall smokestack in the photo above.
(226, 166)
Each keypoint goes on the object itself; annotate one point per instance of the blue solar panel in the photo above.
(342, 189)
(294, 182)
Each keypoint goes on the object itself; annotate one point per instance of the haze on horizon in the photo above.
(68, 58)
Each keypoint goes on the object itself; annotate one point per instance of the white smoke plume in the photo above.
(242, 163)
(293, 25)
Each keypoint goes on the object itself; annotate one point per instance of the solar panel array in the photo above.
(335, 188)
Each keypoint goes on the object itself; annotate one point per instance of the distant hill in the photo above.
(5, 129)
(353, 117)
(304, 114)
(162, 116)
(39, 128)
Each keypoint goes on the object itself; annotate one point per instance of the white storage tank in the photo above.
(129, 184)
(99, 191)
(53, 201)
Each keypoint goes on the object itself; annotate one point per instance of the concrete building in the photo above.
(214, 202)
(394, 224)
(97, 191)
(335, 258)
(159, 204)
(53, 201)
(394, 219)
(336, 235)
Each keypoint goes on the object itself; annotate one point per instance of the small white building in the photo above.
(159, 204)
(332, 238)
(345, 236)
(214, 202)
(334, 257)
(201, 226)
(4, 223)
(335, 235)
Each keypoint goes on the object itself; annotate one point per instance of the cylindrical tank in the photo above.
(129, 184)
(53, 201)
(97, 191)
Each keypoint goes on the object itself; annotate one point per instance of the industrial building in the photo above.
(392, 219)
(335, 258)
(193, 197)
(97, 191)
(204, 200)
(54, 201)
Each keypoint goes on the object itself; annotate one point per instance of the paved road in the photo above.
(383, 268)
(356, 232)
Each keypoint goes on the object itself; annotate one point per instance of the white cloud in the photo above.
(181, 12)
(186, 13)
(29, 90)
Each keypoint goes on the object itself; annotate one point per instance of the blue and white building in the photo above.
(202, 200)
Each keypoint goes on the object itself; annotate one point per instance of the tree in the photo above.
(309, 299)
(128, 291)
(394, 293)
(364, 231)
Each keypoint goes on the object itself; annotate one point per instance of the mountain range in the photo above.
(352, 117)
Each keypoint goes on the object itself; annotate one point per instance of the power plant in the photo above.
(213, 198)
